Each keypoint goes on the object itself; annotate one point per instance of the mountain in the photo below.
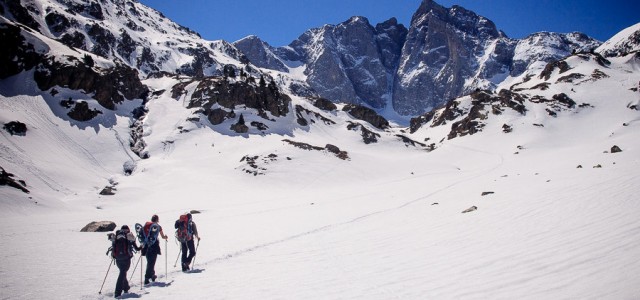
(445, 53)
(125, 31)
(625, 42)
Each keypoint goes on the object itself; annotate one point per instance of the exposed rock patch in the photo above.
(220, 91)
(367, 115)
(368, 136)
(8, 180)
(99, 226)
(324, 104)
(302, 121)
(16, 128)
(81, 112)
(344, 155)
(615, 149)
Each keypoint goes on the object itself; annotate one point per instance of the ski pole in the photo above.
(174, 265)
(193, 263)
(105, 277)
(141, 268)
(134, 268)
(166, 261)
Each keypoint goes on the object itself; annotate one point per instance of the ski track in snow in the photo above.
(365, 216)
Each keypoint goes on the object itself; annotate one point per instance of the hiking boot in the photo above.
(153, 278)
(116, 295)
(146, 281)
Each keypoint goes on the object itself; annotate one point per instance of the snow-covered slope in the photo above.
(127, 31)
(625, 42)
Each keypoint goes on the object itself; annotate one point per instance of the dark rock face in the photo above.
(100, 226)
(324, 104)
(409, 142)
(137, 143)
(16, 55)
(349, 62)
(217, 90)
(561, 65)
(260, 53)
(21, 13)
(8, 180)
(344, 155)
(417, 122)
(109, 87)
(446, 53)
(302, 121)
(368, 136)
(390, 37)
(483, 103)
(81, 112)
(439, 55)
(366, 114)
(16, 128)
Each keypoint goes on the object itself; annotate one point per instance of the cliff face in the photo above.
(445, 53)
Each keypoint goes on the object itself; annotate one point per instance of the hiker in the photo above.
(153, 248)
(186, 231)
(123, 244)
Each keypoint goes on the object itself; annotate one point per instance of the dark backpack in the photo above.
(184, 228)
(120, 247)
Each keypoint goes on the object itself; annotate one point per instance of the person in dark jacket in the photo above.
(124, 242)
(152, 254)
(187, 244)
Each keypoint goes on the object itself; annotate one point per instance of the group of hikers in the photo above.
(124, 245)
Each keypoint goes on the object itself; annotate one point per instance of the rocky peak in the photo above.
(390, 37)
(427, 7)
(260, 53)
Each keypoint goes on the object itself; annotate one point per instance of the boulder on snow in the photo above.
(108, 191)
(324, 104)
(615, 149)
(81, 112)
(16, 128)
(486, 193)
(470, 209)
(100, 226)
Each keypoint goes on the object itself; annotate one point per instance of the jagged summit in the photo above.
(445, 53)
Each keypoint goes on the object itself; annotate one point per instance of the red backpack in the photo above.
(184, 229)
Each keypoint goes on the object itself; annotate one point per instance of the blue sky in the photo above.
(281, 21)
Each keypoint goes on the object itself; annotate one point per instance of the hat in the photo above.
(124, 227)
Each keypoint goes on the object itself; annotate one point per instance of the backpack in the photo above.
(120, 247)
(184, 228)
(147, 234)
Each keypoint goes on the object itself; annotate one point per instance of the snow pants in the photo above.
(152, 255)
(122, 284)
(186, 259)
(151, 266)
